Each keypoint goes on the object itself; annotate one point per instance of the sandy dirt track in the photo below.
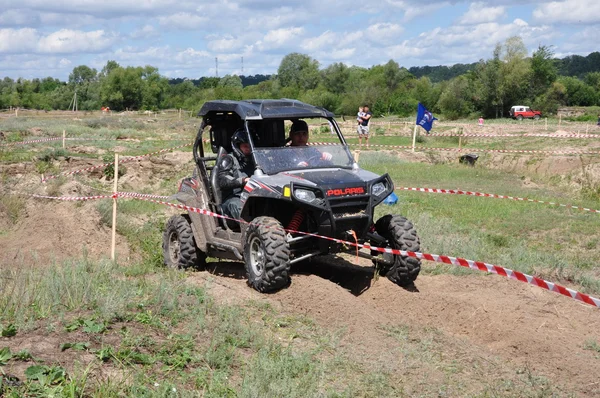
(485, 318)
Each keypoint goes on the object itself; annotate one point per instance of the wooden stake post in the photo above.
(114, 215)
(414, 137)
(64, 137)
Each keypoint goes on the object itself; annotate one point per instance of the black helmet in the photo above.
(239, 137)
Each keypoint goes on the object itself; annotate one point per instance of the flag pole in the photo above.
(414, 136)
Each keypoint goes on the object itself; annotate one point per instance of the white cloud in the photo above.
(30, 66)
(190, 55)
(384, 33)
(145, 32)
(227, 43)
(65, 41)
(278, 38)
(569, 12)
(17, 17)
(326, 39)
(73, 41)
(183, 20)
(478, 13)
(580, 42)
(18, 40)
(466, 44)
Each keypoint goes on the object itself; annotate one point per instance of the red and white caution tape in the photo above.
(67, 198)
(141, 195)
(32, 142)
(421, 148)
(418, 148)
(492, 195)
(516, 135)
(475, 265)
(121, 160)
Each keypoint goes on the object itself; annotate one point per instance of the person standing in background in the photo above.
(363, 126)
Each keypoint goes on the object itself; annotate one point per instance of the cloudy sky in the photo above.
(40, 38)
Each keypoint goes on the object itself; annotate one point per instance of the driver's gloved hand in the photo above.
(326, 156)
(303, 164)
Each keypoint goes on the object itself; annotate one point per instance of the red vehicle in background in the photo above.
(521, 112)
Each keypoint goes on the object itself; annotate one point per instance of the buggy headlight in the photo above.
(378, 189)
(305, 195)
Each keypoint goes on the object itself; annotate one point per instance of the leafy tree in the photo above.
(209, 82)
(123, 88)
(109, 67)
(393, 75)
(455, 98)
(298, 70)
(82, 74)
(578, 93)
(543, 70)
(335, 77)
(233, 81)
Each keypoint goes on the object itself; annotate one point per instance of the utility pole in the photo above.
(242, 66)
(217, 66)
(73, 103)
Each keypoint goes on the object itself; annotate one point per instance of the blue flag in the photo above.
(424, 118)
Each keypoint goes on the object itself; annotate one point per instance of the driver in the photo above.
(299, 138)
(234, 173)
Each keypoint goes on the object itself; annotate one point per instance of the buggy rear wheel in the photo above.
(400, 234)
(179, 245)
(266, 255)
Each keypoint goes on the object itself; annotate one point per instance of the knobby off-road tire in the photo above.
(536, 117)
(400, 234)
(520, 117)
(267, 255)
(179, 246)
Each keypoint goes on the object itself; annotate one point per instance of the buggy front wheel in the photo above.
(399, 234)
(266, 255)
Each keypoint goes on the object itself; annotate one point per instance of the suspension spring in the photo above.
(296, 220)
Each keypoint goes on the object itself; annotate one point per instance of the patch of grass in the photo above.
(13, 206)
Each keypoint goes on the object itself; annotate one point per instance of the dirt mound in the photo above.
(48, 231)
(479, 318)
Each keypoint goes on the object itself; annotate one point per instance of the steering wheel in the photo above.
(314, 159)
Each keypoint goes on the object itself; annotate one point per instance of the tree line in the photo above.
(487, 88)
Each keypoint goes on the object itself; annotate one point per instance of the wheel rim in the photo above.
(257, 256)
(174, 248)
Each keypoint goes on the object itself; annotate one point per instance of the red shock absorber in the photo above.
(296, 220)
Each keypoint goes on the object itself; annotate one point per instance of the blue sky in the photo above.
(182, 38)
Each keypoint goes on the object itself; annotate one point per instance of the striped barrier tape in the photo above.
(504, 135)
(122, 160)
(420, 148)
(141, 195)
(123, 193)
(67, 198)
(492, 195)
(457, 261)
(81, 139)
(32, 142)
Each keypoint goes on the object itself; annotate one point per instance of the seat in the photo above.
(214, 185)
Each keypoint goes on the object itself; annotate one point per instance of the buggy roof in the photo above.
(265, 109)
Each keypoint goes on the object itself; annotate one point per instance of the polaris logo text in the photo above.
(346, 191)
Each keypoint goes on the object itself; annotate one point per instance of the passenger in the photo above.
(299, 138)
(234, 173)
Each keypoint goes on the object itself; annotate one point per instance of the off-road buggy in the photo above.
(293, 195)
